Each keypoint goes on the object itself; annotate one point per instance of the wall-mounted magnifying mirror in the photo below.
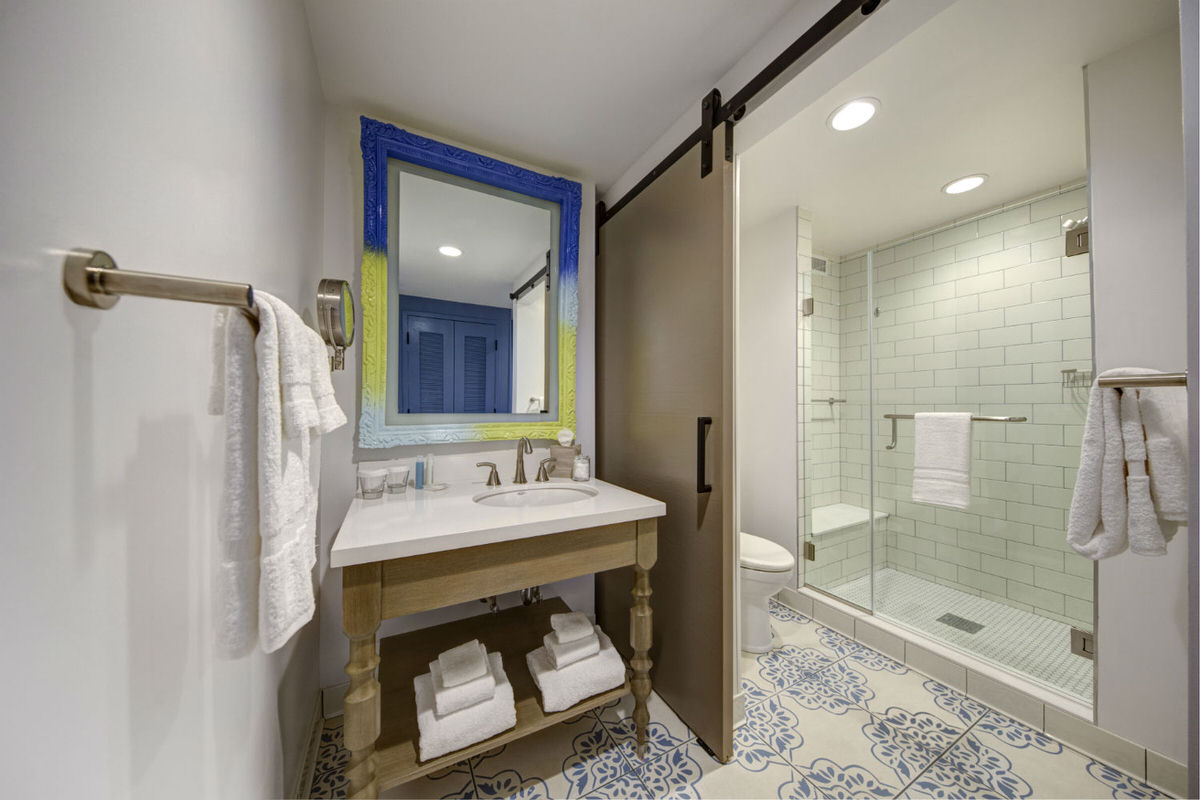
(335, 317)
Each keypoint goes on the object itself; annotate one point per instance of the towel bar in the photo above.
(91, 278)
(1144, 381)
(894, 417)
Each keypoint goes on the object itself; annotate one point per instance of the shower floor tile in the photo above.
(1034, 646)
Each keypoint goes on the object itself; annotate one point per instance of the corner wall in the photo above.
(181, 138)
(1138, 237)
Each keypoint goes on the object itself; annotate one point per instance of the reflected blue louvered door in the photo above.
(428, 384)
(475, 350)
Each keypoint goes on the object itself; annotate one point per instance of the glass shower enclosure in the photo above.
(988, 316)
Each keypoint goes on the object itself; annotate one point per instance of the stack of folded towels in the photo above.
(463, 699)
(576, 661)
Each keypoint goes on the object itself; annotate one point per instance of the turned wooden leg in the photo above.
(641, 627)
(360, 620)
(640, 637)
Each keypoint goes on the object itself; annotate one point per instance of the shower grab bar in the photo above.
(1143, 381)
(830, 400)
(894, 417)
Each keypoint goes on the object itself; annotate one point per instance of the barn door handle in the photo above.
(702, 424)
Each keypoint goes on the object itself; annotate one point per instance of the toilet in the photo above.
(765, 568)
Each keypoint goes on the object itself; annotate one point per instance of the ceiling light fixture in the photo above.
(450, 250)
(965, 184)
(849, 116)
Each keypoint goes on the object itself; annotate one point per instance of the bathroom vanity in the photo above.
(423, 550)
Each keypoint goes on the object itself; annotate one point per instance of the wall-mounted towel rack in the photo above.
(91, 278)
(894, 417)
(1144, 381)
(830, 400)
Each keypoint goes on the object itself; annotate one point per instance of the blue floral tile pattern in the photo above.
(1016, 734)
(509, 783)
(852, 780)
(1120, 784)
(787, 614)
(976, 768)
(958, 704)
(674, 774)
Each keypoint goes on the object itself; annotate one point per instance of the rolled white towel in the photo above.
(463, 663)
(563, 688)
(571, 626)
(445, 734)
(448, 699)
(565, 653)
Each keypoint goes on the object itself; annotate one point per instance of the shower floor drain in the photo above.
(955, 621)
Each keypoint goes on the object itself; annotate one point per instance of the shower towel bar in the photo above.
(894, 417)
(1144, 381)
(91, 278)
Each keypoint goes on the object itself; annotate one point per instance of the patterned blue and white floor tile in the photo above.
(826, 718)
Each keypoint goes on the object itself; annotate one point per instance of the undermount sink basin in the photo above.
(552, 495)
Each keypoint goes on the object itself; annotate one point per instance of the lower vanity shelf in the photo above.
(512, 633)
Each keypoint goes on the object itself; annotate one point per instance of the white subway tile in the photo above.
(1059, 204)
(1069, 286)
(1004, 259)
(1005, 298)
(1012, 218)
(981, 246)
(1034, 312)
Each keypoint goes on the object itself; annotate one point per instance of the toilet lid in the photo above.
(763, 555)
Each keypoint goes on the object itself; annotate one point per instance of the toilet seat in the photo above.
(763, 555)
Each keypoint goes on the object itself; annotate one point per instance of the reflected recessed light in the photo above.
(851, 115)
(965, 184)
(450, 250)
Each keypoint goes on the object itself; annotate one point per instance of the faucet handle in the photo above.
(543, 476)
(493, 476)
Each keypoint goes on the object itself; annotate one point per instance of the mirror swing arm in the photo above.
(380, 142)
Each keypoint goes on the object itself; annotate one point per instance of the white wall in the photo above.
(342, 258)
(766, 380)
(182, 138)
(529, 340)
(1138, 227)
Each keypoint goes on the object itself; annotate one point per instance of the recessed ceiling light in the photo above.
(450, 250)
(851, 115)
(964, 184)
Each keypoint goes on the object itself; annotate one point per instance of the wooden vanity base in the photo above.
(380, 715)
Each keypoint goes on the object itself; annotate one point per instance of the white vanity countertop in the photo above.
(422, 521)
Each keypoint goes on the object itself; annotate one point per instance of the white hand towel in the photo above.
(1145, 536)
(445, 734)
(1097, 524)
(563, 688)
(942, 459)
(329, 414)
(463, 663)
(564, 653)
(236, 589)
(571, 626)
(448, 699)
(1165, 419)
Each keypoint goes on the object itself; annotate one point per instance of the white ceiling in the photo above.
(500, 239)
(579, 87)
(986, 86)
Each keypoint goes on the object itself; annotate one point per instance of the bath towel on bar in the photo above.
(942, 459)
(272, 448)
(1132, 470)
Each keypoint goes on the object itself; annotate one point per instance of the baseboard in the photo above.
(303, 783)
(332, 699)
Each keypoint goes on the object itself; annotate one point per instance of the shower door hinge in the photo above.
(710, 109)
(1083, 643)
(810, 551)
(806, 307)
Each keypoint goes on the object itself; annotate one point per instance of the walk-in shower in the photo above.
(986, 315)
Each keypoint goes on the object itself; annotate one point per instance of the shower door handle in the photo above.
(702, 424)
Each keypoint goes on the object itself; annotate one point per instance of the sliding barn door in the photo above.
(664, 348)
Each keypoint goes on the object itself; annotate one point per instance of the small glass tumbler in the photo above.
(371, 483)
(397, 480)
(582, 469)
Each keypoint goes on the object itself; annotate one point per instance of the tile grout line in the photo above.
(940, 756)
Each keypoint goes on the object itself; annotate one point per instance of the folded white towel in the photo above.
(1145, 536)
(564, 653)
(1165, 420)
(942, 459)
(445, 734)
(463, 663)
(237, 522)
(571, 626)
(448, 699)
(563, 688)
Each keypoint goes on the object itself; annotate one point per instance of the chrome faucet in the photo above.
(523, 447)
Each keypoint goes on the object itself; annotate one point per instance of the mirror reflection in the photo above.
(473, 273)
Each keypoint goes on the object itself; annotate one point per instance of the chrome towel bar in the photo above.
(91, 278)
(1143, 381)
(894, 417)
